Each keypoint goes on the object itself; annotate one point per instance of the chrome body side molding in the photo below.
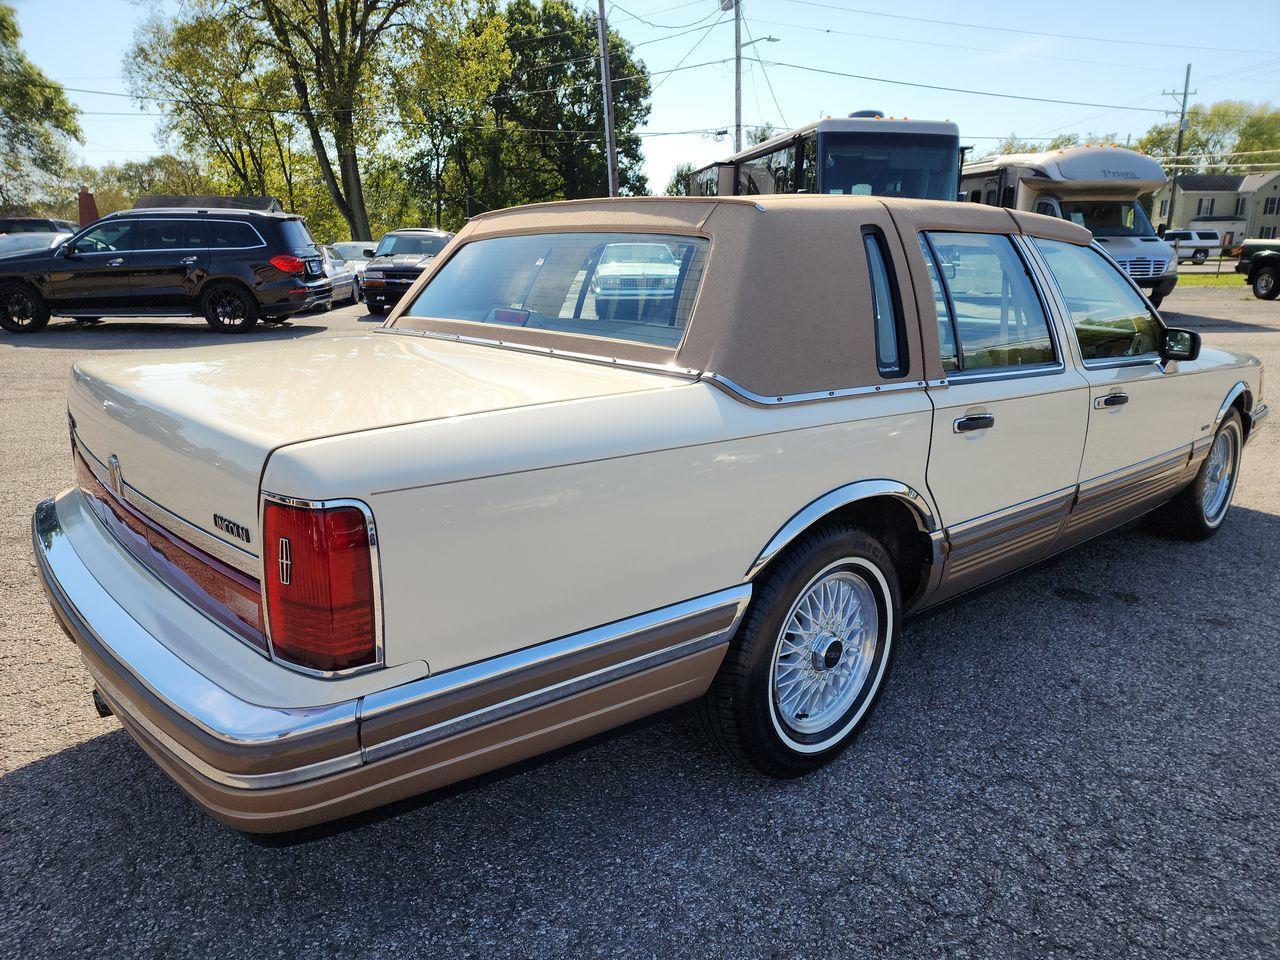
(657, 637)
(842, 497)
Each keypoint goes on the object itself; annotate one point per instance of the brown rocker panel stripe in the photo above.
(449, 761)
(980, 546)
(232, 758)
(450, 705)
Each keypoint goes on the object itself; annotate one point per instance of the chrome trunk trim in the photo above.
(233, 556)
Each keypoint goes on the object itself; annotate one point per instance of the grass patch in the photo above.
(1224, 279)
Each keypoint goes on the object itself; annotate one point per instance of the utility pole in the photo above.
(610, 144)
(1182, 129)
(737, 75)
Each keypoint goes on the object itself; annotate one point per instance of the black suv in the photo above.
(401, 257)
(232, 267)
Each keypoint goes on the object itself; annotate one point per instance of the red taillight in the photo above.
(318, 581)
(288, 263)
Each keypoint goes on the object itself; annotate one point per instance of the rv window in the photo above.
(772, 173)
(891, 359)
(1109, 218)
(1110, 318)
(1000, 322)
(925, 166)
(809, 164)
(975, 196)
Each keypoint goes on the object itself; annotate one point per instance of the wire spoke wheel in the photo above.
(1220, 475)
(825, 652)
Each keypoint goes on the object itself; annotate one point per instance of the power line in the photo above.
(767, 81)
(1032, 33)
(951, 46)
(706, 33)
(965, 90)
(666, 26)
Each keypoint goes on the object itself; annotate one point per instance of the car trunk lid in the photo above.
(190, 431)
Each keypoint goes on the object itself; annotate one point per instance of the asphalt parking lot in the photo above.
(1081, 761)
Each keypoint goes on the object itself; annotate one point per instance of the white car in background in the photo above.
(13, 243)
(357, 253)
(1194, 245)
(342, 273)
(635, 271)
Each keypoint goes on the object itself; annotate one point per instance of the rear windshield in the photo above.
(296, 236)
(638, 287)
(411, 244)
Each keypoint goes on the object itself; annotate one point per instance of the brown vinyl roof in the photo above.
(785, 302)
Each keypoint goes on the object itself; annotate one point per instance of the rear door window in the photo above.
(999, 320)
(161, 235)
(1111, 319)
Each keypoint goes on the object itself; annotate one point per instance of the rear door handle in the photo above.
(975, 421)
(189, 261)
(117, 262)
(1111, 400)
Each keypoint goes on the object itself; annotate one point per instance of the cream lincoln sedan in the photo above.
(313, 577)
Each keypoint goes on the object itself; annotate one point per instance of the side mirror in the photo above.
(1179, 345)
(369, 253)
(66, 250)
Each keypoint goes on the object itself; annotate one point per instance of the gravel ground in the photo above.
(1080, 761)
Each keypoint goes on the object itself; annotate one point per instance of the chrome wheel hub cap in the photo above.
(1219, 476)
(825, 651)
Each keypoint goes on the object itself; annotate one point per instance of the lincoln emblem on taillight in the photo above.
(285, 554)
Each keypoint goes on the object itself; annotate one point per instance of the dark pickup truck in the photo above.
(1260, 263)
(401, 257)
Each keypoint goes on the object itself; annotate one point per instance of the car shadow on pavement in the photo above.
(1193, 321)
(155, 335)
(1096, 722)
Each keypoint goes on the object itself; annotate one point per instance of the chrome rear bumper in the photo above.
(264, 768)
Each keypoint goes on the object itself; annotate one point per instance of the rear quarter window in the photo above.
(297, 237)
(232, 235)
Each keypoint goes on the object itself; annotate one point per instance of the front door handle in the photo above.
(117, 262)
(1111, 400)
(975, 421)
(189, 261)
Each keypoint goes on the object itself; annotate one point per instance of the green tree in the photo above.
(228, 99)
(331, 51)
(1214, 133)
(679, 185)
(553, 98)
(37, 122)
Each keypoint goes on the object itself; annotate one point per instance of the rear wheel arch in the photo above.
(893, 512)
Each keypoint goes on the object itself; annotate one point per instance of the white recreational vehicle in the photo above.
(1095, 186)
(864, 153)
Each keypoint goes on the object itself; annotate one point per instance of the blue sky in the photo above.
(82, 43)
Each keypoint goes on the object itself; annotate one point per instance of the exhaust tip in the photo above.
(100, 705)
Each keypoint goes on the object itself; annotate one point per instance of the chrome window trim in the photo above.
(1004, 373)
(375, 565)
(839, 393)
(233, 556)
(643, 367)
(207, 247)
